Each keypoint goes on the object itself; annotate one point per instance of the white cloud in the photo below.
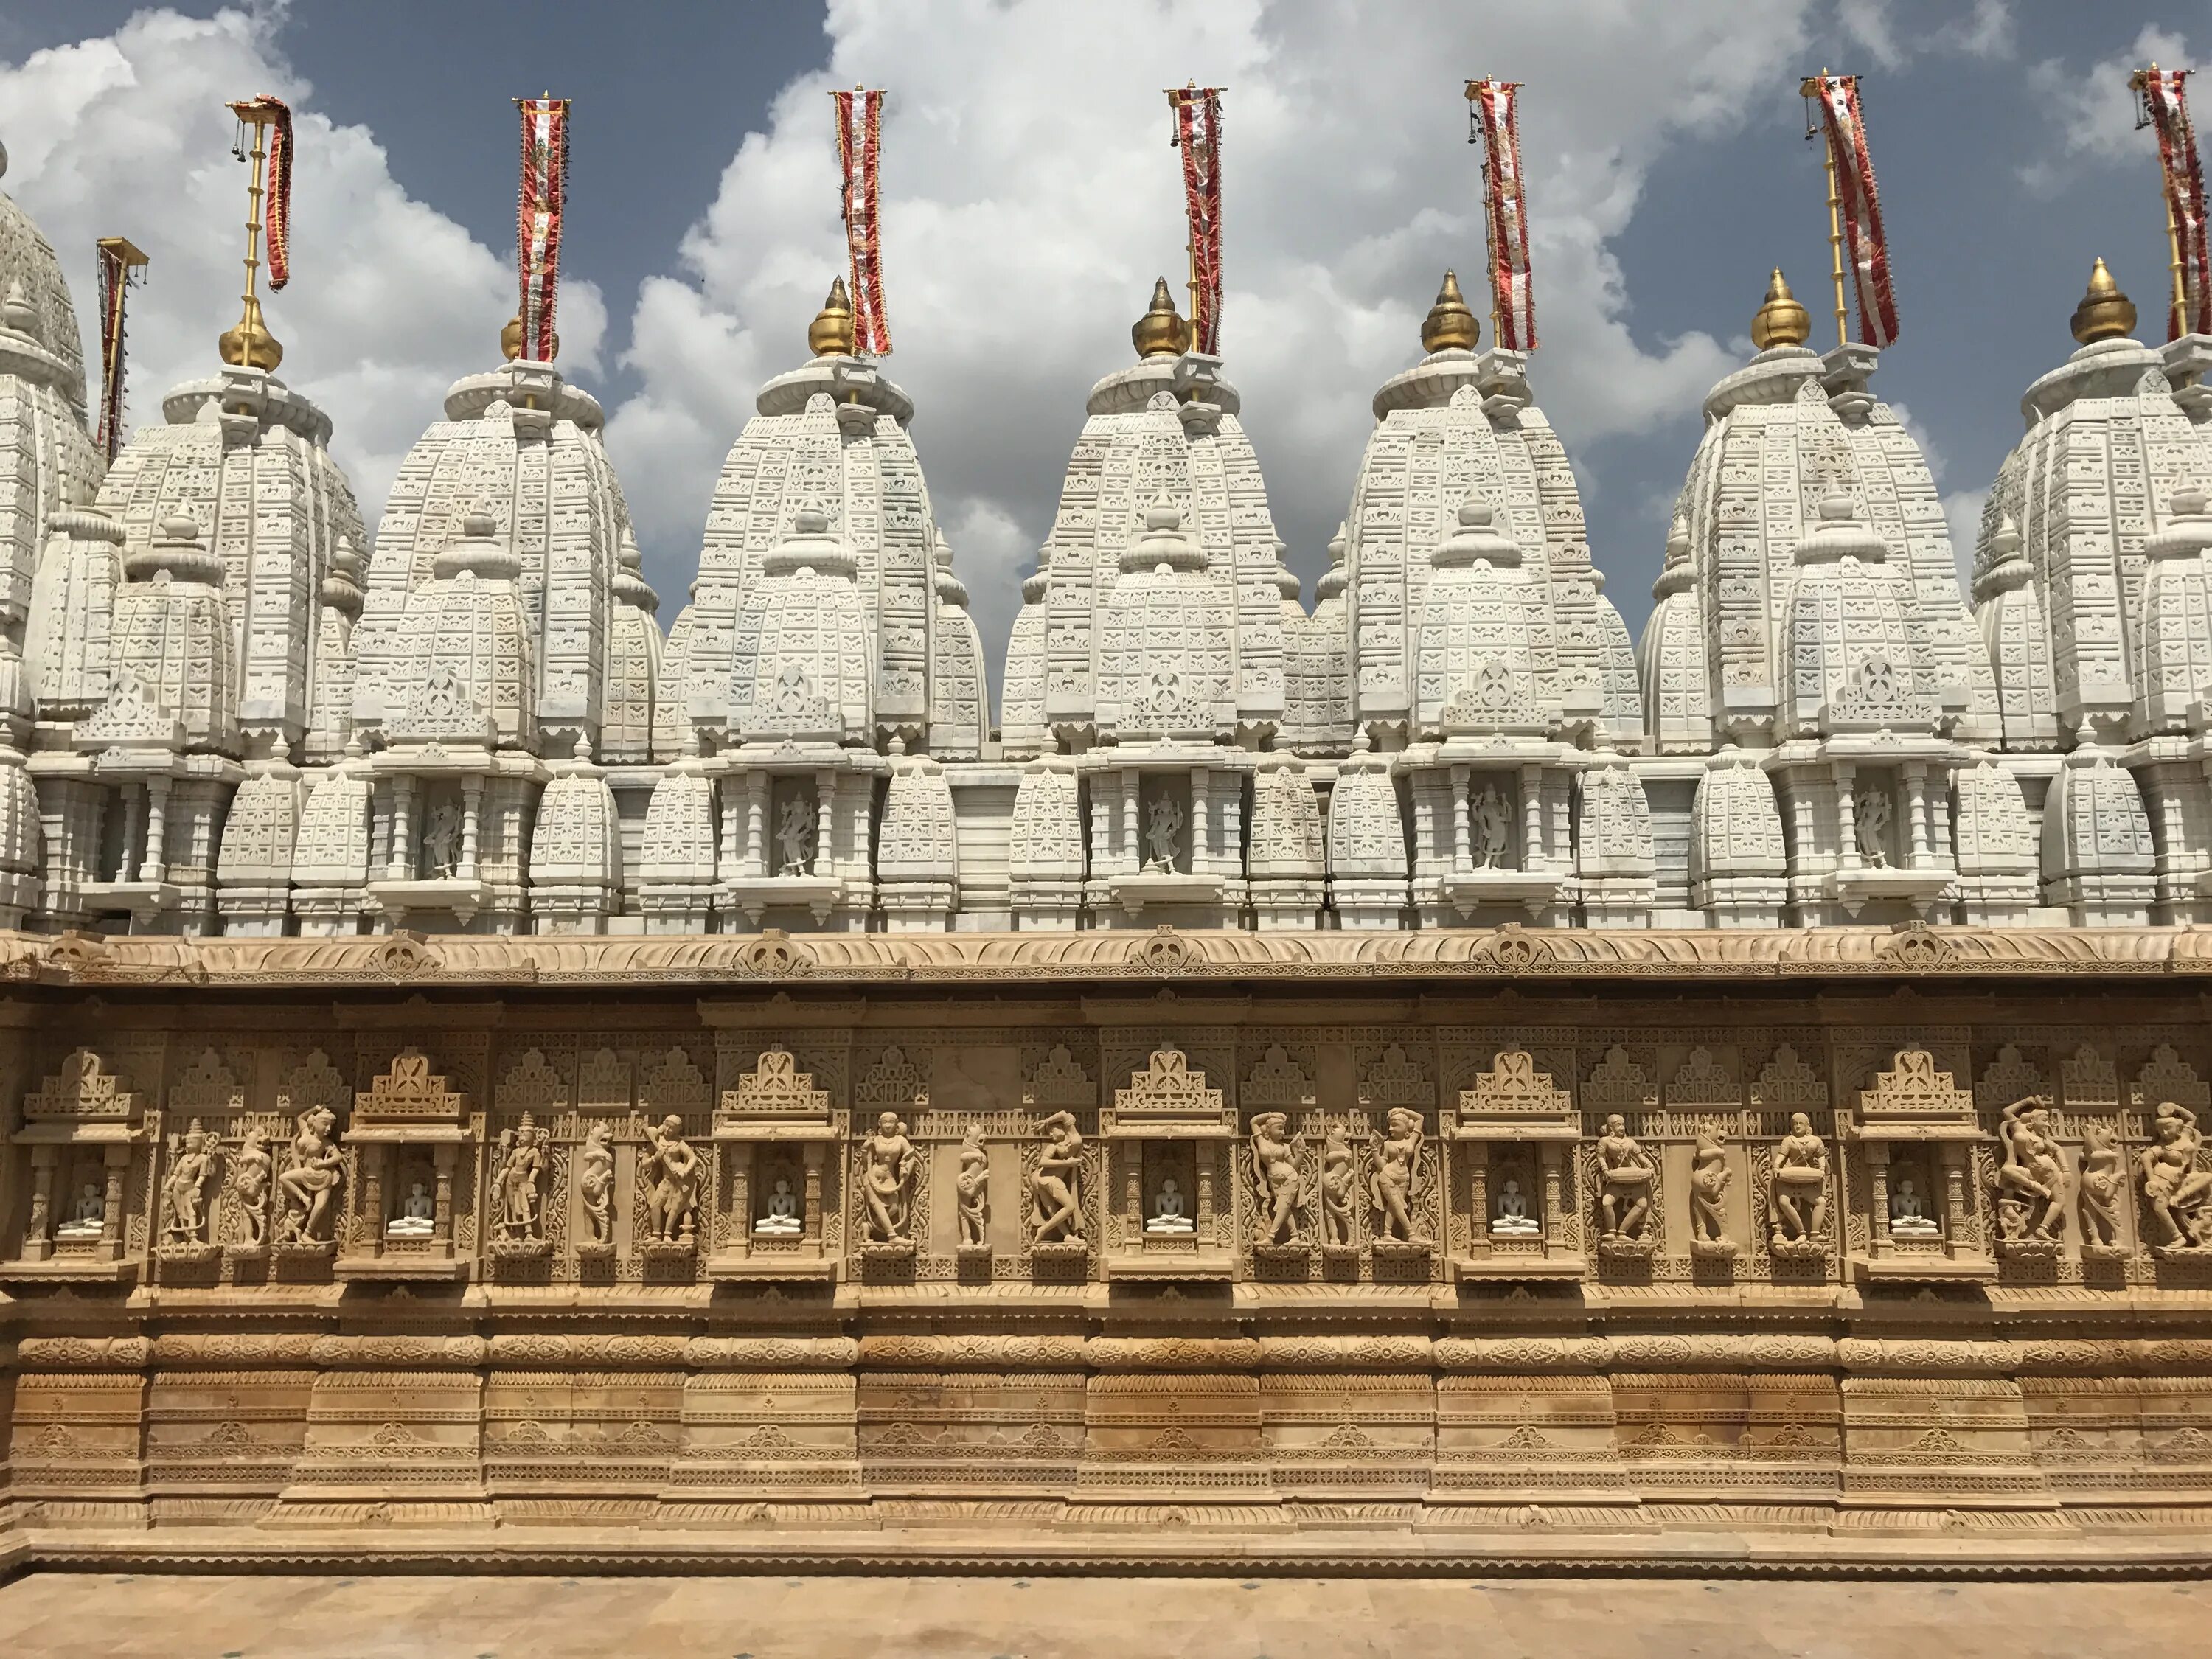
(1963, 508)
(2091, 112)
(390, 301)
(1031, 195)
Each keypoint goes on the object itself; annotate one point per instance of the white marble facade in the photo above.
(230, 709)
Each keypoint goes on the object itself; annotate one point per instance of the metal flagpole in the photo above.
(1813, 87)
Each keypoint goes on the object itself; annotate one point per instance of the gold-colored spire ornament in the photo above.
(510, 338)
(1450, 326)
(2105, 313)
(830, 334)
(1781, 321)
(1160, 332)
(250, 344)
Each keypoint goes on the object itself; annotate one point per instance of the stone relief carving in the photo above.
(595, 1185)
(1057, 1182)
(2173, 1187)
(251, 1172)
(1277, 1185)
(1339, 1181)
(1710, 1175)
(2103, 1188)
(1626, 1173)
(972, 1187)
(672, 1199)
(1798, 1200)
(892, 1165)
(2031, 1181)
(521, 1184)
(1398, 1171)
(183, 1194)
(309, 1184)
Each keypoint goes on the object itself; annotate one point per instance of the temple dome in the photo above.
(804, 656)
(1165, 664)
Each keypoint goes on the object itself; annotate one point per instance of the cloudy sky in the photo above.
(1030, 197)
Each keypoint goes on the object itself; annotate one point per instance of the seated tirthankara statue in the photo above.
(1512, 1219)
(1168, 1216)
(1908, 1212)
(417, 1215)
(88, 1216)
(780, 1216)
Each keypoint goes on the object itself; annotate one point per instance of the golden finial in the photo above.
(250, 344)
(1450, 326)
(1781, 321)
(1159, 333)
(830, 334)
(2105, 313)
(510, 338)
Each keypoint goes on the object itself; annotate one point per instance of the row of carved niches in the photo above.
(1323, 1155)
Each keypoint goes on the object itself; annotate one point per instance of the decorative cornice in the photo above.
(1912, 955)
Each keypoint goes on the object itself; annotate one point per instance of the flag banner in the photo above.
(1198, 135)
(277, 207)
(114, 284)
(859, 148)
(1512, 297)
(1861, 207)
(2165, 95)
(541, 208)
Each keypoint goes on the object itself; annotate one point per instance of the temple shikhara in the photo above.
(495, 1066)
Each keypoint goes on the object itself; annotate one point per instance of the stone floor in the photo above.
(94, 1615)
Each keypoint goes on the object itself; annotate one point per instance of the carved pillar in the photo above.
(1130, 788)
(372, 1195)
(1478, 1194)
(111, 1218)
(1204, 1163)
(471, 813)
(38, 1232)
(442, 1220)
(1132, 1172)
(1939, 819)
(812, 1153)
(402, 867)
(825, 795)
(1231, 860)
(1462, 821)
(756, 785)
(134, 824)
(380, 827)
(1877, 1157)
(1847, 820)
(1532, 818)
(157, 808)
(1953, 1157)
(741, 1195)
(1199, 804)
(1554, 1199)
(1916, 814)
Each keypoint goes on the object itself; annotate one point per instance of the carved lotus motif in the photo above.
(1915, 947)
(1513, 951)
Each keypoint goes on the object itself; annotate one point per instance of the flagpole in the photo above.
(1490, 225)
(1177, 98)
(1817, 87)
(2178, 306)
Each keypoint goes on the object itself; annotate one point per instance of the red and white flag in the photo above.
(860, 150)
(541, 207)
(277, 208)
(1513, 297)
(2165, 96)
(1861, 207)
(1198, 135)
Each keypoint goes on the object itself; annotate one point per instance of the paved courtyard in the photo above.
(94, 1615)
